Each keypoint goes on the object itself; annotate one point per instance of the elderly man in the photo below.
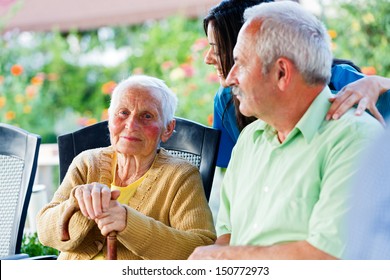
(285, 190)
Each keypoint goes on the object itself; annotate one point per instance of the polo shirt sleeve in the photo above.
(328, 219)
(223, 225)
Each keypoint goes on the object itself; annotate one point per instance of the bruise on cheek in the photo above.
(152, 131)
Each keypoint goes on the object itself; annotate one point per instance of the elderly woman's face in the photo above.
(136, 126)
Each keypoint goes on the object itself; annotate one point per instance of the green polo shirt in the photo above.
(274, 193)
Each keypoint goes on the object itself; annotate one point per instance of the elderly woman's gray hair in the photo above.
(167, 97)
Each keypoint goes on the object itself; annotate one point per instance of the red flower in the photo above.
(200, 44)
(210, 119)
(167, 65)
(189, 71)
(212, 78)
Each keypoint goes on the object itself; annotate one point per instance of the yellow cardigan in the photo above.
(167, 218)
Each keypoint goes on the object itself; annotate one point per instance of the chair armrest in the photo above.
(27, 257)
(15, 257)
(46, 257)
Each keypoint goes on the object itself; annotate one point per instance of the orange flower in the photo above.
(3, 100)
(210, 119)
(190, 59)
(16, 69)
(1, 79)
(91, 121)
(10, 115)
(37, 80)
(332, 33)
(369, 70)
(104, 115)
(108, 87)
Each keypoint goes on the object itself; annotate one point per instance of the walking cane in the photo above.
(110, 239)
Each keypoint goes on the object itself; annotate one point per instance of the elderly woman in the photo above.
(154, 201)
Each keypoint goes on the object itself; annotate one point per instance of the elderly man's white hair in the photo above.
(167, 97)
(288, 30)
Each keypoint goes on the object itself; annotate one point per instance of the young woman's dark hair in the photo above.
(227, 20)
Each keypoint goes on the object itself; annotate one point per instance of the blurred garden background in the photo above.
(54, 82)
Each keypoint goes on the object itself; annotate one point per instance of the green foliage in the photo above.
(32, 246)
(66, 79)
(363, 33)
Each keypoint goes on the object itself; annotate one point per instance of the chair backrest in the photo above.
(191, 140)
(18, 164)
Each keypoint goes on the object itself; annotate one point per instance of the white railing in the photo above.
(44, 185)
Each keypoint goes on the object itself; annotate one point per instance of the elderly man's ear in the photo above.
(283, 71)
(167, 133)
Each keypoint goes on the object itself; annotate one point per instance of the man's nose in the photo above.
(231, 79)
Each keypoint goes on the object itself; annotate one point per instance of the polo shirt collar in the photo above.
(308, 125)
(311, 121)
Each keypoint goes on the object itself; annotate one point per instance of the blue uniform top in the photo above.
(225, 116)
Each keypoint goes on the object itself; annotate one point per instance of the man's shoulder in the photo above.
(365, 120)
(349, 124)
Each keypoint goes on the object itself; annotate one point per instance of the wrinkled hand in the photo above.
(112, 220)
(97, 202)
(364, 92)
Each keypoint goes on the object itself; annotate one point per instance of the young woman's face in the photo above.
(213, 55)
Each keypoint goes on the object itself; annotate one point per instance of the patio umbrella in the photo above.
(44, 15)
